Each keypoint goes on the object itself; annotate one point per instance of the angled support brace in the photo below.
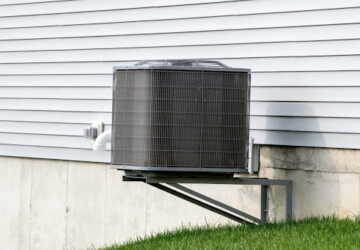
(217, 203)
(217, 206)
(199, 203)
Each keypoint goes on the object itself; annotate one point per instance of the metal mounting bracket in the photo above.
(215, 206)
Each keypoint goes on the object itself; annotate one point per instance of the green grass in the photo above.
(315, 233)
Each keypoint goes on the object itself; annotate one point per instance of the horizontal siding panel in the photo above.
(327, 63)
(45, 140)
(186, 25)
(247, 7)
(83, 68)
(59, 92)
(53, 80)
(348, 110)
(330, 32)
(22, 2)
(319, 125)
(55, 153)
(44, 128)
(51, 116)
(56, 105)
(306, 139)
(306, 94)
(130, 15)
(323, 48)
(91, 5)
(334, 78)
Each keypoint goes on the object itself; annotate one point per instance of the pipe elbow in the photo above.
(102, 140)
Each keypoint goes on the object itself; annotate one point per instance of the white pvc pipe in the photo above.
(101, 140)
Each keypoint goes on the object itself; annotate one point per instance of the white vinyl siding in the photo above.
(56, 60)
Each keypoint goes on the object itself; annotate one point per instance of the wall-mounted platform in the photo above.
(172, 186)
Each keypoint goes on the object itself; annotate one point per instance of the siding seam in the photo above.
(187, 45)
(188, 31)
(191, 4)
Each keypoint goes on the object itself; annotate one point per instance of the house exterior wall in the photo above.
(56, 60)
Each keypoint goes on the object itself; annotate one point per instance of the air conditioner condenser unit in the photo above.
(180, 117)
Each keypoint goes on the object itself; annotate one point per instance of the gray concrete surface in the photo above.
(48, 204)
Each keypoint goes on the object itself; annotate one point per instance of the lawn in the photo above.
(315, 233)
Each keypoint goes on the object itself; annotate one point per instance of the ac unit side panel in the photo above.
(131, 117)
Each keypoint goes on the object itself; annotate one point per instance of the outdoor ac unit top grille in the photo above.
(180, 116)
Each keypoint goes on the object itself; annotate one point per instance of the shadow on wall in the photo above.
(316, 191)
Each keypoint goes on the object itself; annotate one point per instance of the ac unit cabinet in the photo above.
(180, 116)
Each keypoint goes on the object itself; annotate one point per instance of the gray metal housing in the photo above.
(179, 116)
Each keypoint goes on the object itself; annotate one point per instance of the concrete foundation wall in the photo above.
(48, 204)
(326, 181)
